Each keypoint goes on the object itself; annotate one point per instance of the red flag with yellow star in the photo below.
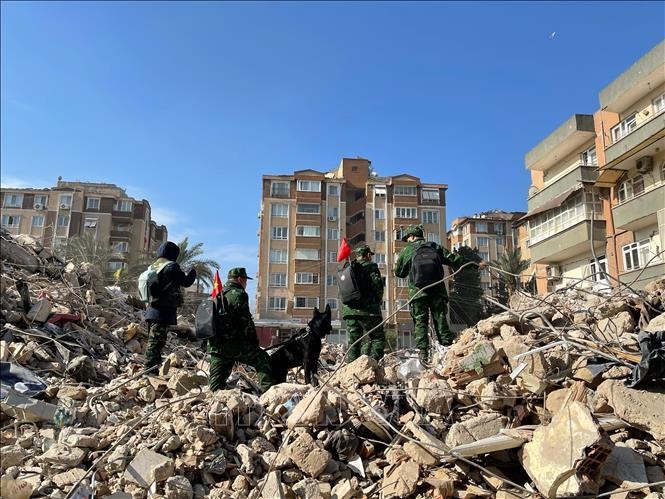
(216, 285)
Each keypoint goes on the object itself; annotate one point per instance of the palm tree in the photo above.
(189, 257)
(87, 249)
(512, 265)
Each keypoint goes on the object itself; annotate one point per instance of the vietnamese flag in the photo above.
(344, 250)
(216, 285)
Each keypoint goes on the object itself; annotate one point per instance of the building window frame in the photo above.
(13, 200)
(481, 227)
(333, 190)
(92, 203)
(278, 256)
(624, 128)
(379, 214)
(307, 278)
(430, 217)
(279, 210)
(427, 195)
(483, 241)
(333, 303)
(333, 234)
(123, 205)
(433, 237)
(380, 191)
(39, 219)
(589, 157)
(308, 231)
(379, 235)
(90, 222)
(279, 233)
(11, 221)
(41, 200)
(277, 303)
(598, 269)
(308, 254)
(309, 185)
(121, 247)
(277, 280)
(635, 254)
(308, 208)
(279, 188)
(63, 220)
(406, 212)
(658, 104)
(630, 188)
(331, 280)
(405, 190)
(305, 301)
(332, 256)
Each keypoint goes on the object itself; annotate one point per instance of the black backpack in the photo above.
(211, 318)
(426, 266)
(354, 283)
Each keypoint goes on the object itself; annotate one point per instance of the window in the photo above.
(430, 217)
(485, 286)
(121, 247)
(279, 189)
(306, 301)
(598, 268)
(380, 191)
(636, 255)
(332, 256)
(399, 234)
(380, 258)
(401, 305)
(279, 233)
(402, 282)
(309, 185)
(38, 220)
(499, 228)
(624, 128)
(309, 208)
(333, 190)
(405, 190)
(406, 212)
(483, 241)
(123, 205)
(92, 204)
(333, 234)
(481, 227)
(332, 302)
(307, 254)
(357, 217)
(308, 230)
(121, 227)
(278, 256)
(501, 241)
(90, 223)
(484, 255)
(65, 200)
(658, 104)
(41, 200)
(433, 238)
(307, 278)
(276, 303)
(11, 220)
(331, 280)
(63, 220)
(332, 214)
(13, 201)
(380, 214)
(379, 235)
(116, 265)
(277, 279)
(430, 195)
(588, 157)
(279, 210)
(631, 188)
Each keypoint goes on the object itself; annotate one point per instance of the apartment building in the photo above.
(70, 209)
(303, 218)
(597, 203)
(491, 232)
(631, 128)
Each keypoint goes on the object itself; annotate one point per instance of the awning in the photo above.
(553, 203)
(608, 177)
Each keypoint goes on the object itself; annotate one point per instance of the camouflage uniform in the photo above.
(434, 299)
(366, 316)
(240, 343)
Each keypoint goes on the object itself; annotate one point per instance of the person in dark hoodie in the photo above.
(167, 297)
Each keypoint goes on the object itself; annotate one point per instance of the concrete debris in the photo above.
(545, 411)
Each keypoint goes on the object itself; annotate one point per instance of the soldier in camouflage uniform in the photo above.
(363, 317)
(163, 309)
(240, 342)
(434, 299)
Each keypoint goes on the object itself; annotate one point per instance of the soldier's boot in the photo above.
(157, 334)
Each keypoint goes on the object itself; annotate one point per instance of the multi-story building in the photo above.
(491, 232)
(631, 128)
(596, 230)
(305, 215)
(55, 215)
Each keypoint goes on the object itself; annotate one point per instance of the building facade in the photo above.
(597, 201)
(305, 215)
(72, 209)
(491, 232)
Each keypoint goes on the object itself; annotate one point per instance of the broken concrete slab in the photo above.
(565, 457)
(434, 395)
(625, 467)
(148, 467)
(310, 411)
(68, 477)
(64, 455)
(400, 480)
(273, 488)
(308, 456)
(361, 371)
(419, 454)
(477, 428)
(178, 487)
(73, 392)
(643, 408)
(182, 382)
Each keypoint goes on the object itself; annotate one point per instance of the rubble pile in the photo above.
(560, 396)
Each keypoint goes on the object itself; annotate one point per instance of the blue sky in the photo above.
(188, 104)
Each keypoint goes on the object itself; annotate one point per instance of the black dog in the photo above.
(303, 349)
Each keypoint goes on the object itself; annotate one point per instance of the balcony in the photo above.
(569, 242)
(639, 278)
(580, 174)
(573, 134)
(640, 211)
(641, 137)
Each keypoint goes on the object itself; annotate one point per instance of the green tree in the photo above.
(512, 266)
(189, 257)
(87, 249)
(465, 294)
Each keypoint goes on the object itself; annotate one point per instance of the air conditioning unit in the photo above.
(644, 164)
(332, 219)
(38, 206)
(64, 206)
(554, 272)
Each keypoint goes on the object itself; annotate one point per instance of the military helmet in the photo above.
(363, 250)
(413, 230)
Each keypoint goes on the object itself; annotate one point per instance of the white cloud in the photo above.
(10, 181)
(165, 216)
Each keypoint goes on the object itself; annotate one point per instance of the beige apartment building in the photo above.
(491, 232)
(305, 215)
(70, 209)
(597, 202)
